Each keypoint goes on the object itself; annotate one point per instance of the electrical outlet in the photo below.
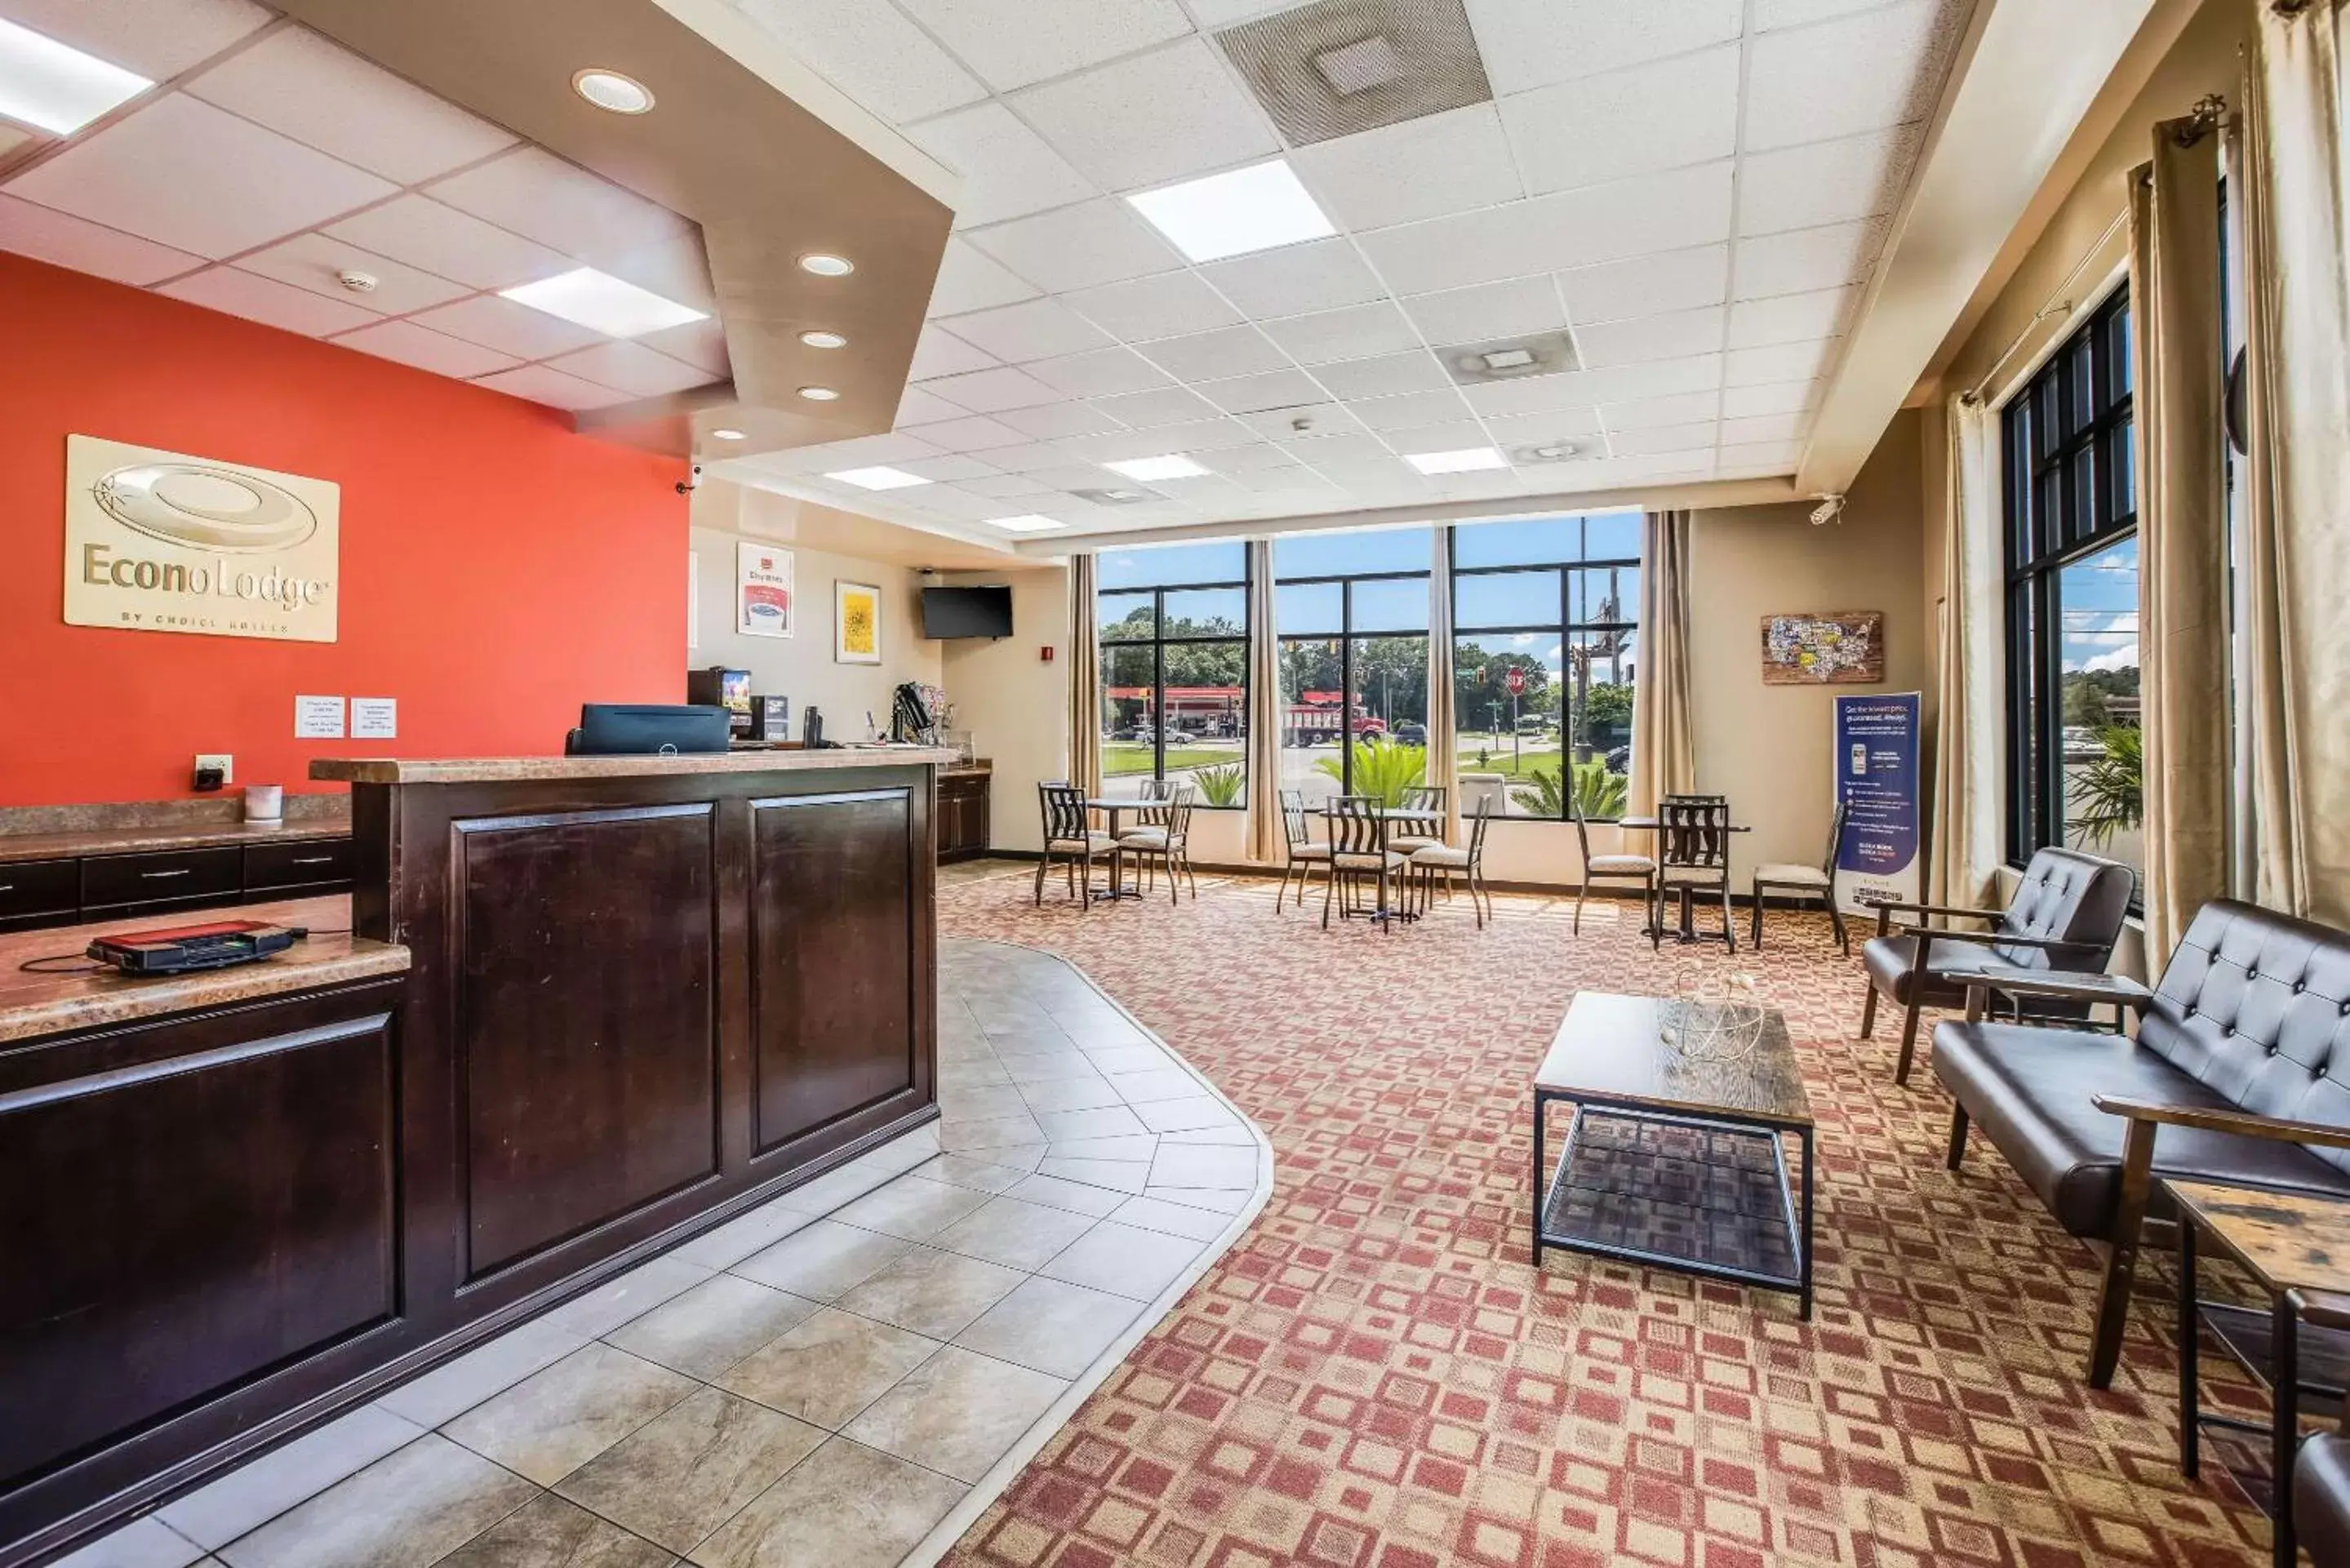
(225, 763)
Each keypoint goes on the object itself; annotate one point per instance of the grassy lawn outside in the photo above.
(1122, 757)
(1531, 754)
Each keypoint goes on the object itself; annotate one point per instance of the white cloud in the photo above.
(2121, 657)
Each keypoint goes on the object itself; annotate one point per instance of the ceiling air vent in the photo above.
(1511, 359)
(1125, 495)
(1337, 66)
(1534, 454)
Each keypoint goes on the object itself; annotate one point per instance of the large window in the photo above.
(1543, 613)
(1352, 613)
(1174, 663)
(2074, 774)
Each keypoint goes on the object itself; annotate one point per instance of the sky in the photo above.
(2097, 599)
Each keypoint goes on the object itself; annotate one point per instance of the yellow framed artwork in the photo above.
(855, 623)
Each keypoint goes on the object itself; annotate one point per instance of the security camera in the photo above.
(691, 481)
(1829, 510)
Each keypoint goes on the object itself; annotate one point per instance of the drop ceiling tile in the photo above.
(267, 301)
(939, 352)
(1410, 411)
(1863, 72)
(1294, 484)
(1099, 375)
(537, 384)
(1377, 481)
(510, 328)
(312, 261)
(969, 433)
(1012, 42)
(1780, 363)
(535, 194)
(198, 179)
(447, 242)
(1209, 356)
(674, 266)
(1078, 246)
(917, 407)
(426, 350)
(1765, 428)
(1424, 168)
(1313, 422)
(1335, 451)
(895, 446)
(1517, 308)
(1386, 377)
(1670, 337)
(156, 39)
(1052, 421)
(952, 467)
(1789, 317)
(1533, 43)
(991, 391)
(1355, 332)
(1637, 121)
(1656, 439)
(1585, 388)
(633, 368)
(1773, 15)
(321, 94)
(1005, 486)
(1143, 309)
(699, 343)
(871, 52)
(1653, 414)
(1784, 397)
(1321, 275)
(1769, 457)
(1460, 435)
(1034, 329)
(1572, 228)
(1262, 457)
(1270, 389)
(969, 280)
(1008, 170)
(1150, 119)
(1544, 429)
(47, 234)
(1029, 457)
(1160, 405)
(1836, 182)
(1621, 291)
(1805, 259)
(1075, 476)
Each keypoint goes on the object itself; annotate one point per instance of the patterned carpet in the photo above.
(1374, 1378)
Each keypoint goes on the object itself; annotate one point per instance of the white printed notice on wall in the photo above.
(318, 718)
(375, 718)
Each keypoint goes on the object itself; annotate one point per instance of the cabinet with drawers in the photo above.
(964, 824)
(73, 888)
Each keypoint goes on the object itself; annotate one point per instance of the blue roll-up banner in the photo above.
(1877, 781)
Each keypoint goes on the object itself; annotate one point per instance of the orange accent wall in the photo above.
(497, 569)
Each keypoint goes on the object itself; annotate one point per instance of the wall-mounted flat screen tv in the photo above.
(967, 612)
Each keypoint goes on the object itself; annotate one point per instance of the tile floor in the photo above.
(845, 1376)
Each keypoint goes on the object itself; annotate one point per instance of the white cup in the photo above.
(264, 803)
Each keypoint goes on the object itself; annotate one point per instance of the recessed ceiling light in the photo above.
(1229, 214)
(1467, 461)
(825, 265)
(878, 478)
(1026, 523)
(726, 435)
(819, 394)
(56, 87)
(1173, 466)
(603, 302)
(613, 91)
(824, 340)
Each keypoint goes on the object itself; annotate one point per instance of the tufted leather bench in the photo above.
(2066, 914)
(2242, 1058)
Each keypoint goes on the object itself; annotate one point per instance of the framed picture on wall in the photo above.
(764, 601)
(1825, 648)
(855, 623)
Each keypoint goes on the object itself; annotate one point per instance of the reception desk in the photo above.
(638, 995)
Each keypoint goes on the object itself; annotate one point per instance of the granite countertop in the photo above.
(16, 846)
(38, 1004)
(505, 770)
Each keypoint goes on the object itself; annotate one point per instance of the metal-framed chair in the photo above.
(1304, 854)
(1414, 837)
(1806, 883)
(1694, 855)
(1072, 837)
(1164, 835)
(1358, 850)
(1430, 861)
(1638, 870)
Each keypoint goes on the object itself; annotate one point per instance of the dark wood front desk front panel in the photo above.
(635, 1007)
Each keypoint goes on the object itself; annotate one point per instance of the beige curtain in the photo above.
(1443, 755)
(1084, 680)
(2174, 308)
(1265, 831)
(1664, 730)
(2297, 225)
(1963, 849)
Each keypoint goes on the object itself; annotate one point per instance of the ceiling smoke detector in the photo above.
(1511, 359)
(356, 281)
(1545, 451)
(1359, 67)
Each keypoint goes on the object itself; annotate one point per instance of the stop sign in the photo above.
(1517, 679)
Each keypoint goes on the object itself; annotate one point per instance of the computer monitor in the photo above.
(638, 729)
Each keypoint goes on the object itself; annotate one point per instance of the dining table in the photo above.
(1687, 933)
(1111, 808)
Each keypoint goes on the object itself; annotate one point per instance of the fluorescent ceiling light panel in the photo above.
(1469, 461)
(1029, 524)
(878, 478)
(602, 303)
(1230, 214)
(1174, 466)
(56, 87)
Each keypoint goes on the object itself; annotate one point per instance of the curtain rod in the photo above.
(2058, 305)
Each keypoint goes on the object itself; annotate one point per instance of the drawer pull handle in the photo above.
(158, 876)
(7, 886)
(313, 860)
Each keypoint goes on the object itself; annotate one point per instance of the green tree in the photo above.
(1599, 793)
(1383, 770)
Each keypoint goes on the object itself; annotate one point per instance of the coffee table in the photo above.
(1674, 1158)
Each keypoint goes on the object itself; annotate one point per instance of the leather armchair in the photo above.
(2321, 1475)
(2066, 914)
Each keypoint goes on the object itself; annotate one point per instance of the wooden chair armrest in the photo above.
(1997, 938)
(2276, 1129)
(2324, 1308)
(1891, 904)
